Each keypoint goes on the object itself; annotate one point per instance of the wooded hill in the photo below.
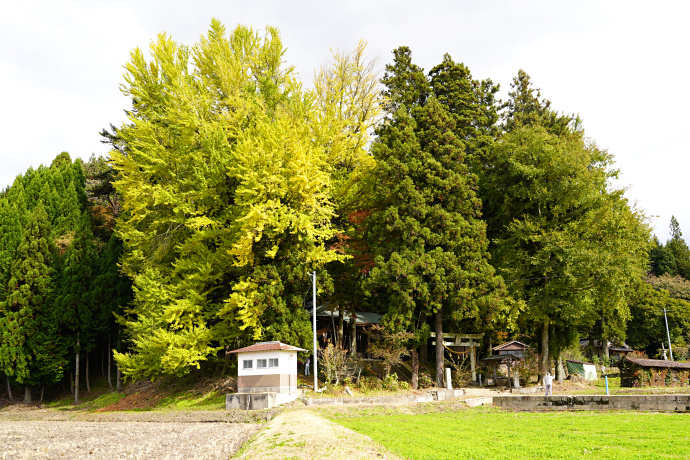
(415, 194)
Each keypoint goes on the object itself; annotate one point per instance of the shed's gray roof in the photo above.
(621, 349)
(658, 363)
(501, 359)
(362, 317)
(512, 345)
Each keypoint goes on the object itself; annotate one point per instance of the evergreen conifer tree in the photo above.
(74, 309)
(10, 235)
(111, 292)
(661, 260)
(426, 230)
(678, 250)
(525, 108)
(405, 83)
(25, 313)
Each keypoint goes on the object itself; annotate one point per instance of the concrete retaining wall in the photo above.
(384, 400)
(256, 401)
(614, 402)
(434, 395)
(527, 390)
(249, 401)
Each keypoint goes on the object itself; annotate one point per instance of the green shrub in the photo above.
(425, 381)
(680, 353)
(370, 384)
(391, 382)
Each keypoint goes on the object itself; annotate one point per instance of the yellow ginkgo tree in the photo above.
(227, 198)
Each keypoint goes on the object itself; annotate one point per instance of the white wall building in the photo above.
(268, 367)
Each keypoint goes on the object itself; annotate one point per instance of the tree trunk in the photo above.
(103, 358)
(353, 333)
(43, 389)
(226, 359)
(27, 394)
(71, 383)
(560, 370)
(341, 328)
(424, 352)
(545, 348)
(118, 380)
(439, 348)
(76, 371)
(605, 348)
(9, 389)
(110, 352)
(415, 369)
(88, 384)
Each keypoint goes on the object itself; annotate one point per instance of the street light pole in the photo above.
(313, 304)
(668, 335)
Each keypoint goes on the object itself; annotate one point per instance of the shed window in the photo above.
(273, 362)
(247, 364)
(261, 364)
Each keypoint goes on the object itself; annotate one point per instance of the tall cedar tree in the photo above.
(10, 235)
(75, 311)
(405, 84)
(470, 106)
(59, 190)
(525, 108)
(25, 327)
(661, 260)
(111, 291)
(678, 249)
(427, 233)
(104, 202)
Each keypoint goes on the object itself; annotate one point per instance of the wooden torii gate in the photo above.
(459, 339)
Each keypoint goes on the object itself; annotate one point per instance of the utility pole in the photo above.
(668, 335)
(313, 304)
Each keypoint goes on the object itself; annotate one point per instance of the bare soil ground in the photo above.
(121, 440)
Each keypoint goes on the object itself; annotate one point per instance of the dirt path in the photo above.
(303, 434)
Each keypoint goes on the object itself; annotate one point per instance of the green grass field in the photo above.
(485, 433)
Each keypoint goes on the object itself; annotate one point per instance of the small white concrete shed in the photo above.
(266, 376)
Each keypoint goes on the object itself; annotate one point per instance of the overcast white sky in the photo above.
(622, 65)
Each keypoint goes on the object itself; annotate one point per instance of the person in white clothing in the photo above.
(548, 380)
(306, 366)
